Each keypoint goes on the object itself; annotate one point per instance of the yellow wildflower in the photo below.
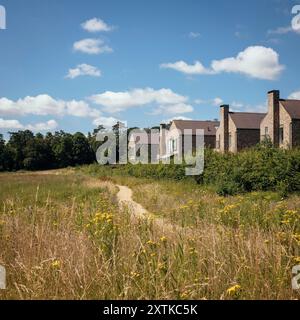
(55, 264)
(232, 290)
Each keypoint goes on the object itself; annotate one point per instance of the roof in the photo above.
(247, 120)
(144, 138)
(292, 107)
(209, 127)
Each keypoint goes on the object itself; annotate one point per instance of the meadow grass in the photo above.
(63, 236)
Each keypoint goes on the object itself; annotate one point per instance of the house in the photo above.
(173, 136)
(282, 122)
(237, 130)
(143, 146)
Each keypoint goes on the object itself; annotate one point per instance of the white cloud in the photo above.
(241, 107)
(113, 102)
(10, 124)
(256, 61)
(194, 35)
(83, 70)
(175, 118)
(81, 109)
(96, 25)
(44, 105)
(283, 30)
(91, 46)
(295, 95)
(181, 66)
(215, 102)
(178, 108)
(107, 122)
(43, 126)
(16, 125)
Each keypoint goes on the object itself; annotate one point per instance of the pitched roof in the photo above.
(247, 120)
(292, 107)
(209, 127)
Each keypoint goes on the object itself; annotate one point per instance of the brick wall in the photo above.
(247, 138)
(296, 133)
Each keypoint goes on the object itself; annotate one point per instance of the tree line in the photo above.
(28, 151)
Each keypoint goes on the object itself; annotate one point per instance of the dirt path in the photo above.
(125, 200)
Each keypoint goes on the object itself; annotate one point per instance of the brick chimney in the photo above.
(224, 125)
(162, 140)
(273, 110)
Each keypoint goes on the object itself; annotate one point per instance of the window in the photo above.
(229, 141)
(281, 135)
(218, 142)
(266, 131)
(175, 145)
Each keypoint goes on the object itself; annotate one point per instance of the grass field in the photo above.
(63, 236)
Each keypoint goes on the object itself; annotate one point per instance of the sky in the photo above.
(73, 65)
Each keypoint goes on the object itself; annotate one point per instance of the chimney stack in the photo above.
(224, 117)
(273, 109)
(162, 140)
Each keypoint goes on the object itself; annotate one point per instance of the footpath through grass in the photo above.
(62, 235)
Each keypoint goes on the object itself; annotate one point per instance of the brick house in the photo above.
(237, 130)
(173, 135)
(282, 122)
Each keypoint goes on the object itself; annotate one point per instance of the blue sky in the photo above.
(74, 64)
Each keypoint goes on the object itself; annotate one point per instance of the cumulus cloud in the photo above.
(295, 95)
(113, 102)
(44, 105)
(192, 69)
(107, 122)
(91, 46)
(83, 70)
(96, 25)
(37, 127)
(255, 61)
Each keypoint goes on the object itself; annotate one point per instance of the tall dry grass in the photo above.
(63, 236)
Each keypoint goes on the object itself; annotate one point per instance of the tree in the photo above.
(82, 152)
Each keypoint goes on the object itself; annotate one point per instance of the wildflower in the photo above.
(232, 290)
(151, 243)
(55, 264)
(163, 239)
(297, 259)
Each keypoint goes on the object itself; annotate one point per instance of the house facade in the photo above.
(180, 133)
(282, 122)
(237, 130)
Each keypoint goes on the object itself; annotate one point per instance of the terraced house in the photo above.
(173, 136)
(237, 130)
(282, 122)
